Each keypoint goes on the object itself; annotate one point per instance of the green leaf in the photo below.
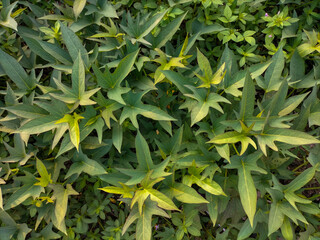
(238, 79)
(8, 231)
(39, 125)
(234, 137)
(77, 94)
(286, 229)
(24, 192)
(218, 76)
(1, 198)
(301, 121)
(276, 218)
(297, 67)
(249, 162)
(246, 187)
(166, 65)
(134, 107)
(27, 111)
(45, 177)
(292, 103)
(74, 45)
(124, 68)
(223, 151)
(247, 191)
(205, 101)
(6, 218)
(250, 40)
(278, 100)
(6, 19)
(81, 163)
(150, 24)
(209, 186)
(168, 32)
(60, 130)
(73, 124)
(56, 17)
(78, 6)
(180, 81)
(172, 145)
(107, 113)
(155, 113)
(18, 153)
(301, 180)
(116, 94)
(36, 47)
(60, 195)
(248, 98)
(162, 200)
(67, 145)
(133, 216)
(104, 79)
(292, 213)
(78, 77)
(125, 191)
(145, 164)
(288, 136)
(10, 98)
(15, 72)
(273, 73)
(186, 194)
(293, 199)
(314, 119)
(212, 28)
(213, 208)
(47, 232)
(117, 134)
(227, 12)
(246, 230)
(229, 59)
(204, 64)
(310, 208)
(107, 10)
(23, 231)
(143, 228)
(56, 52)
(310, 46)
(143, 153)
(140, 196)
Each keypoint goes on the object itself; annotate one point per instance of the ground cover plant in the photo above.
(151, 119)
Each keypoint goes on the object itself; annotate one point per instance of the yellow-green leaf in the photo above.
(247, 191)
(78, 6)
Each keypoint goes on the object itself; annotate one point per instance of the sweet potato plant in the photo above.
(159, 119)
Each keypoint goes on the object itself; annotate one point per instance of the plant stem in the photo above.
(235, 149)
(301, 165)
(312, 188)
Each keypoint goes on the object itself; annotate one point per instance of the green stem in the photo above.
(208, 92)
(225, 180)
(209, 233)
(235, 149)
(304, 90)
(301, 165)
(311, 188)
(100, 225)
(291, 93)
(314, 197)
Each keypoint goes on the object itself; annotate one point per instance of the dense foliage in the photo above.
(151, 119)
